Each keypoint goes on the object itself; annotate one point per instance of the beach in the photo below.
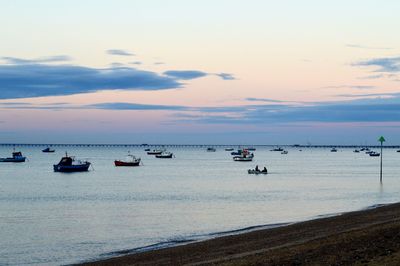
(366, 237)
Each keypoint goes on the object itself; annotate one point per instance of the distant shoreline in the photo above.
(197, 145)
(368, 236)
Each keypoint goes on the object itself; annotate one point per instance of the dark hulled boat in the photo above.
(16, 158)
(68, 164)
(48, 150)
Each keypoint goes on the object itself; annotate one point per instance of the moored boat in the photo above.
(277, 149)
(155, 152)
(48, 149)
(17, 157)
(257, 172)
(243, 158)
(374, 154)
(284, 152)
(165, 155)
(132, 161)
(229, 149)
(68, 164)
(333, 150)
(211, 149)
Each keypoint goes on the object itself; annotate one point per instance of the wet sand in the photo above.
(368, 237)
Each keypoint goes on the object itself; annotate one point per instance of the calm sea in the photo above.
(49, 218)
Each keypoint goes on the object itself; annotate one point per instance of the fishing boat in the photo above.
(48, 149)
(238, 152)
(131, 161)
(155, 152)
(211, 149)
(256, 172)
(165, 155)
(374, 154)
(243, 158)
(68, 164)
(16, 158)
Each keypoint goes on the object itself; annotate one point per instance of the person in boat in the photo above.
(257, 169)
(265, 170)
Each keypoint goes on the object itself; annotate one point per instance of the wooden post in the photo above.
(381, 140)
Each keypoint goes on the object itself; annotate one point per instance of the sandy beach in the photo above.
(367, 237)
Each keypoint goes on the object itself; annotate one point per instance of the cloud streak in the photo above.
(367, 47)
(193, 74)
(119, 52)
(38, 80)
(384, 64)
(48, 59)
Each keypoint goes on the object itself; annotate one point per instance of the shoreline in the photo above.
(303, 242)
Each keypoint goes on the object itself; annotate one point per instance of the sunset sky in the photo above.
(188, 72)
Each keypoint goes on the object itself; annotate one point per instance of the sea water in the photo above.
(49, 218)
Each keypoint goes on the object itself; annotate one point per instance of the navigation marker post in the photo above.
(381, 140)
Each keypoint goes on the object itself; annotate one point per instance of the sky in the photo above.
(199, 72)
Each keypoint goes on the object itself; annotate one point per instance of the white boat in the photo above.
(243, 158)
(165, 155)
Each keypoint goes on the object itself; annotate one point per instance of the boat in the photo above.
(374, 154)
(356, 151)
(369, 152)
(165, 155)
(155, 152)
(48, 150)
(243, 158)
(132, 161)
(229, 149)
(238, 152)
(211, 149)
(251, 149)
(284, 152)
(146, 149)
(256, 172)
(398, 151)
(17, 157)
(333, 150)
(277, 149)
(68, 164)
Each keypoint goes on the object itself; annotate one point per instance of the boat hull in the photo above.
(242, 159)
(254, 172)
(154, 152)
(164, 156)
(121, 163)
(13, 160)
(71, 168)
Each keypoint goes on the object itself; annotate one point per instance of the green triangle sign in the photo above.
(381, 139)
